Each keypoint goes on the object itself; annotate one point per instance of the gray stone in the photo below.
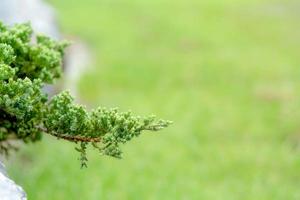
(38, 13)
(9, 190)
(78, 60)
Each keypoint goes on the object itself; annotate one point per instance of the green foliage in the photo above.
(26, 113)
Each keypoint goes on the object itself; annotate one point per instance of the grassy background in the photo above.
(226, 72)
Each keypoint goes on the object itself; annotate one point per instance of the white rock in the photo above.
(8, 189)
(39, 14)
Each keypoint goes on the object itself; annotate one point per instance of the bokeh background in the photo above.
(226, 72)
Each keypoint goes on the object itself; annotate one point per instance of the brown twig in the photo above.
(72, 138)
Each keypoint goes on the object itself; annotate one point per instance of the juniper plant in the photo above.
(26, 113)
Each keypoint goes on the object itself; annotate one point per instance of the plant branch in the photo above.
(72, 138)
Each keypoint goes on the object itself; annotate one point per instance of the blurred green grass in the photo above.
(226, 72)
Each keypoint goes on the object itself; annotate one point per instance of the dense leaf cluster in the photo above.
(26, 64)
